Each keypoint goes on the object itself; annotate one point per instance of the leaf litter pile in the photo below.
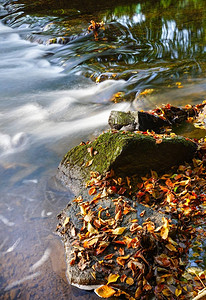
(130, 256)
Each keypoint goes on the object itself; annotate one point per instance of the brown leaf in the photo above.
(90, 150)
(89, 163)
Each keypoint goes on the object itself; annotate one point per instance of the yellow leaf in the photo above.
(91, 229)
(112, 278)
(118, 230)
(166, 292)
(147, 92)
(130, 281)
(66, 221)
(195, 254)
(171, 247)
(178, 292)
(164, 233)
(105, 291)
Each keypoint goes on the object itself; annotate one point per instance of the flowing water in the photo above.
(57, 87)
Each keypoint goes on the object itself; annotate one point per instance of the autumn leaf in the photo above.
(91, 229)
(109, 256)
(118, 230)
(171, 247)
(164, 233)
(89, 163)
(112, 278)
(90, 242)
(92, 191)
(178, 292)
(129, 281)
(147, 92)
(105, 291)
(121, 260)
(142, 213)
(66, 221)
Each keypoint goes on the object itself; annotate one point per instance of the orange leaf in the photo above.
(142, 213)
(109, 256)
(123, 277)
(105, 291)
(130, 281)
(92, 191)
(90, 242)
(121, 260)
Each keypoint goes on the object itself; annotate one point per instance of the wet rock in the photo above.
(100, 239)
(151, 122)
(136, 120)
(124, 152)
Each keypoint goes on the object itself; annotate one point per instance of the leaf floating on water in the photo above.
(105, 291)
(147, 92)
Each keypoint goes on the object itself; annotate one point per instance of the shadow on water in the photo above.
(58, 86)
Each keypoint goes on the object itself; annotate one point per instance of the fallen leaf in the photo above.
(66, 221)
(118, 230)
(121, 260)
(142, 213)
(91, 229)
(89, 163)
(171, 247)
(90, 242)
(178, 292)
(105, 291)
(112, 278)
(129, 281)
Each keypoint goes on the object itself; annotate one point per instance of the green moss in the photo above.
(128, 153)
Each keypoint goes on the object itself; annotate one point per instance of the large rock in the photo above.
(110, 236)
(126, 153)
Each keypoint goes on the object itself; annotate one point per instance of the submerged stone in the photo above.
(124, 152)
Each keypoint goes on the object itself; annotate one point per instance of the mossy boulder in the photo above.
(126, 153)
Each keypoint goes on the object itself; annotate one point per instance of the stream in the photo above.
(58, 86)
